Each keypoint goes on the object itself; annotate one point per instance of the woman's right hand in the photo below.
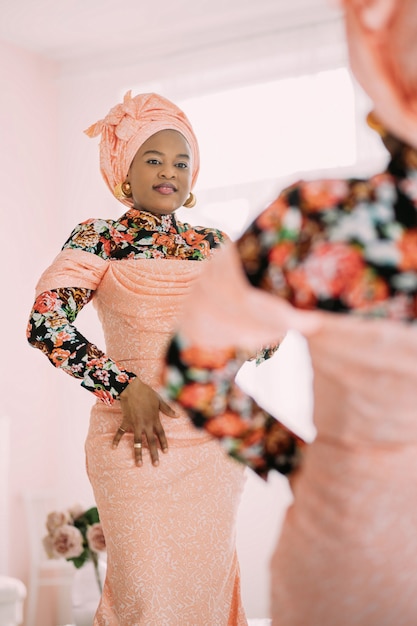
(141, 406)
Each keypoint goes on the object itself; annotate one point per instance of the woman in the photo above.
(322, 258)
(169, 530)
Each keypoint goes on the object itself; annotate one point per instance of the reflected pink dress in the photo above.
(169, 530)
(335, 260)
(347, 554)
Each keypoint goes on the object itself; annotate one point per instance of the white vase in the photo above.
(86, 593)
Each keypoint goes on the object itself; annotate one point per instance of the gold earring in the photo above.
(190, 201)
(126, 189)
(123, 190)
(374, 123)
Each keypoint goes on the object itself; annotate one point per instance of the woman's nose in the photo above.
(167, 171)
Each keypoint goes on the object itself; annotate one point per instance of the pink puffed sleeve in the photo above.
(73, 268)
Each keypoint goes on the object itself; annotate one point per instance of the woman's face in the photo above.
(160, 173)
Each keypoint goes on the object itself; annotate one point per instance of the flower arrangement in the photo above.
(75, 535)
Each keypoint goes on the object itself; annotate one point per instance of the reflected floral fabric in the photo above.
(345, 246)
(341, 245)
(202, 382)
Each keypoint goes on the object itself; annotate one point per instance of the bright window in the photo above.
(271, 130)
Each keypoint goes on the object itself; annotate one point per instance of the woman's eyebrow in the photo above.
(153, 152)
(179, 156)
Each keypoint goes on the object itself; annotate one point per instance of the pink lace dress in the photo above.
(169, 530)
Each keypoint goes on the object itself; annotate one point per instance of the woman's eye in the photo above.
(153, 161)
(182, 165)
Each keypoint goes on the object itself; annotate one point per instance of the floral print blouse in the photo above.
(136, 235)
(347, 246)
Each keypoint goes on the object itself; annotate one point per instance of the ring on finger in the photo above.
(137, 445)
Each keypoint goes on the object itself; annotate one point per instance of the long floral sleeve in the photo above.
(51, 330)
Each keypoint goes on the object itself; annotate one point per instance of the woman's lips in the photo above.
(165, 189)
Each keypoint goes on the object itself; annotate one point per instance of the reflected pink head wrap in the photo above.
(382, 40)
(128, 125)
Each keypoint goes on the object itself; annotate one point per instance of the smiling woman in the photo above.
(159, 178)
(158, 512)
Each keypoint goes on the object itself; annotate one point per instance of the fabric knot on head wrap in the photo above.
(128, 125)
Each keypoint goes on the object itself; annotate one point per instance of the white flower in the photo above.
(292, 220)
(382, 253)
(382, 212)
(357, 225)
(406, 281)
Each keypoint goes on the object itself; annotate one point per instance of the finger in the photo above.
(153, 449)
(119, 434)
(137, 447)
(160, 433)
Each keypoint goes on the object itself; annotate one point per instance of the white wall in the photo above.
(28, 113)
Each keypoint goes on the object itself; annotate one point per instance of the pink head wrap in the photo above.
(382, 39)
(128, 125)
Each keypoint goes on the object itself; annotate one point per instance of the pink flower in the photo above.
(95, 538)
(46, 301)
(67, 542)
(56, 519)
